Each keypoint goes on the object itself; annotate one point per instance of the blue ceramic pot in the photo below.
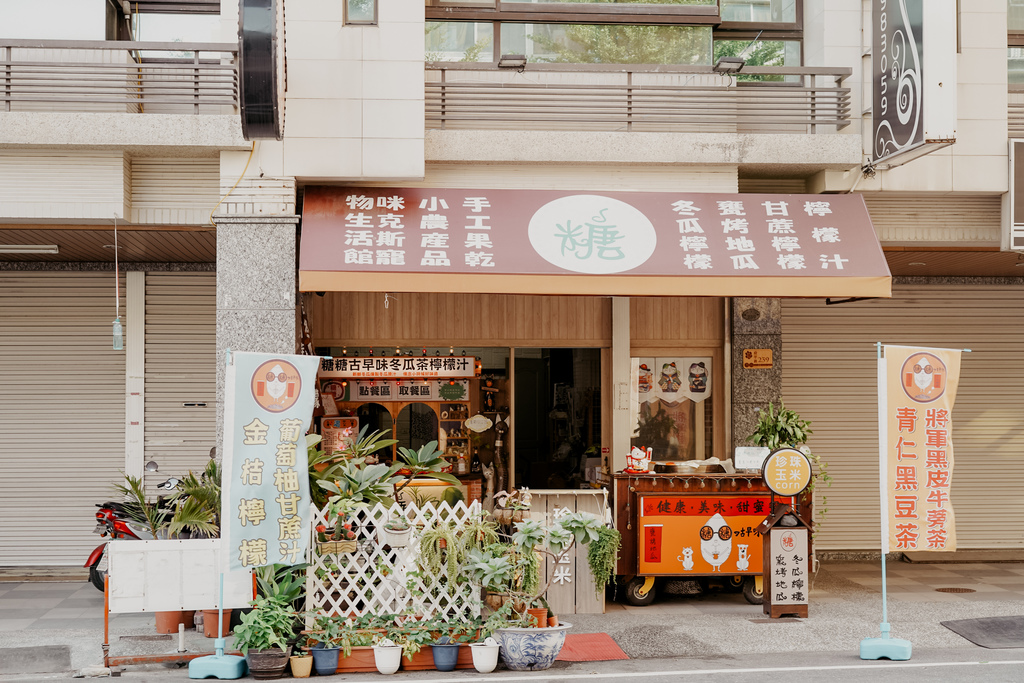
(325, 659)
(531, 649)
(446, 654)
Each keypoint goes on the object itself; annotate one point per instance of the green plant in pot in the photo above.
(782, 427)
(532, 542)
(263, 637)
(397, 531)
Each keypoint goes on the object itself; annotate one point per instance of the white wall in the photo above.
(978, 162)
(54, 19)
(354, 103)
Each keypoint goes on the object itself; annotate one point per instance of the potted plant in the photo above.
(513, 507)
(535, 648)
(341, 538)
(326, 637)
(784, 427)
(301, 661)
(263, 637)
(387, 655)
(397, 532)
(485, 650)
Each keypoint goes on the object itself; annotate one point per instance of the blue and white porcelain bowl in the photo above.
(531, 649)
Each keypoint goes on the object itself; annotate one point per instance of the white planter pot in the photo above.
(485, 657)
(387, 658)
(397, 539)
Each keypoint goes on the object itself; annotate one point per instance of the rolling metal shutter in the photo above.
(181, 348)
(829, 378)
(62, 413)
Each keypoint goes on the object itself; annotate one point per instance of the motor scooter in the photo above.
(116, 520)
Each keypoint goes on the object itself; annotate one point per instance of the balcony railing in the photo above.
(605, 97)
(118, 76)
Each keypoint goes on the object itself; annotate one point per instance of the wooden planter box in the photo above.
(360, 661)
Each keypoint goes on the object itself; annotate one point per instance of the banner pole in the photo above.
(884, 647)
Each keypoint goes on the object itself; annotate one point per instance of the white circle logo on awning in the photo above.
(591, 234)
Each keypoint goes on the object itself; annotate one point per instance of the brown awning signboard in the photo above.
(603, 243)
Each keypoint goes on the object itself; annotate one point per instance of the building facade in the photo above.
(407, 96)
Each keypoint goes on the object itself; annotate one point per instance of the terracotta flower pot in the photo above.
(210, 622)
(167, 622)
(538, 616)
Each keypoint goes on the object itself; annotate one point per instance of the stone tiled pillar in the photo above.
(756, 324)
(256, 284)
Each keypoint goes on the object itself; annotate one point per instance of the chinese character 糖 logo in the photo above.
(592, 234)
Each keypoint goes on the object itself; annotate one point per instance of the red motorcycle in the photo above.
(117, 520)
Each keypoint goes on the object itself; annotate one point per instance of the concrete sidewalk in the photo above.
(66, 619)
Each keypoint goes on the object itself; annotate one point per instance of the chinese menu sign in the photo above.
(788, 581)
(399, 367)
(543, 232)
(265, 509)
(917, 389)
(682, 534)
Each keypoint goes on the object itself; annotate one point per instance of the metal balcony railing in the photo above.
(118, 76)
(625, 97)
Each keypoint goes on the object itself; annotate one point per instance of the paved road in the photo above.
(714, 637)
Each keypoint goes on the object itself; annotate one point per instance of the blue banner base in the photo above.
(895, 649)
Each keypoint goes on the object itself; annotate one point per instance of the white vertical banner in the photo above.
(265, 483)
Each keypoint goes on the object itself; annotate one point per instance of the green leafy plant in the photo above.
(269, 624)
(282, 582)
(197, 503)
(784, 427)
(602, 555)
(347, 468)
(425, 460)
(138, 509)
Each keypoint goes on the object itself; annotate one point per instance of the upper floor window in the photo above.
(685, 32)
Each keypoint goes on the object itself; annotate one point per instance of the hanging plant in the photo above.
(602, 555)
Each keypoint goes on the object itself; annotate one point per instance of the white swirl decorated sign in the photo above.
(914, 78)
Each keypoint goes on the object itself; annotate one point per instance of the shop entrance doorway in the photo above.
(557, 415)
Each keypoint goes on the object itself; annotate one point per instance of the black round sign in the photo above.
(261, 68)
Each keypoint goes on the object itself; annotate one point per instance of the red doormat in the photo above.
(590, 647)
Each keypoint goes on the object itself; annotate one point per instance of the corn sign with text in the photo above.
(916, 391)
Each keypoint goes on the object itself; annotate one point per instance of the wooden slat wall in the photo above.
(62, 413)
(685, 326)
(830, 379)
(429, 319)
(690, 322)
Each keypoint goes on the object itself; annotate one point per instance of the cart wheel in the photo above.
(633, 595)
(750, 592)
(736, 583)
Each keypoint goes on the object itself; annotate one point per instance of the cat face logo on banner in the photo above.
(646, 379)
(698, 378)
(275, 385)
(924, 377)
(669, 382)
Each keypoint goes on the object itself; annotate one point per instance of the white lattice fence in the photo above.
(376, 578)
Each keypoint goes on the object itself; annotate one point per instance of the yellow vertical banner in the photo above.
(917, 389)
